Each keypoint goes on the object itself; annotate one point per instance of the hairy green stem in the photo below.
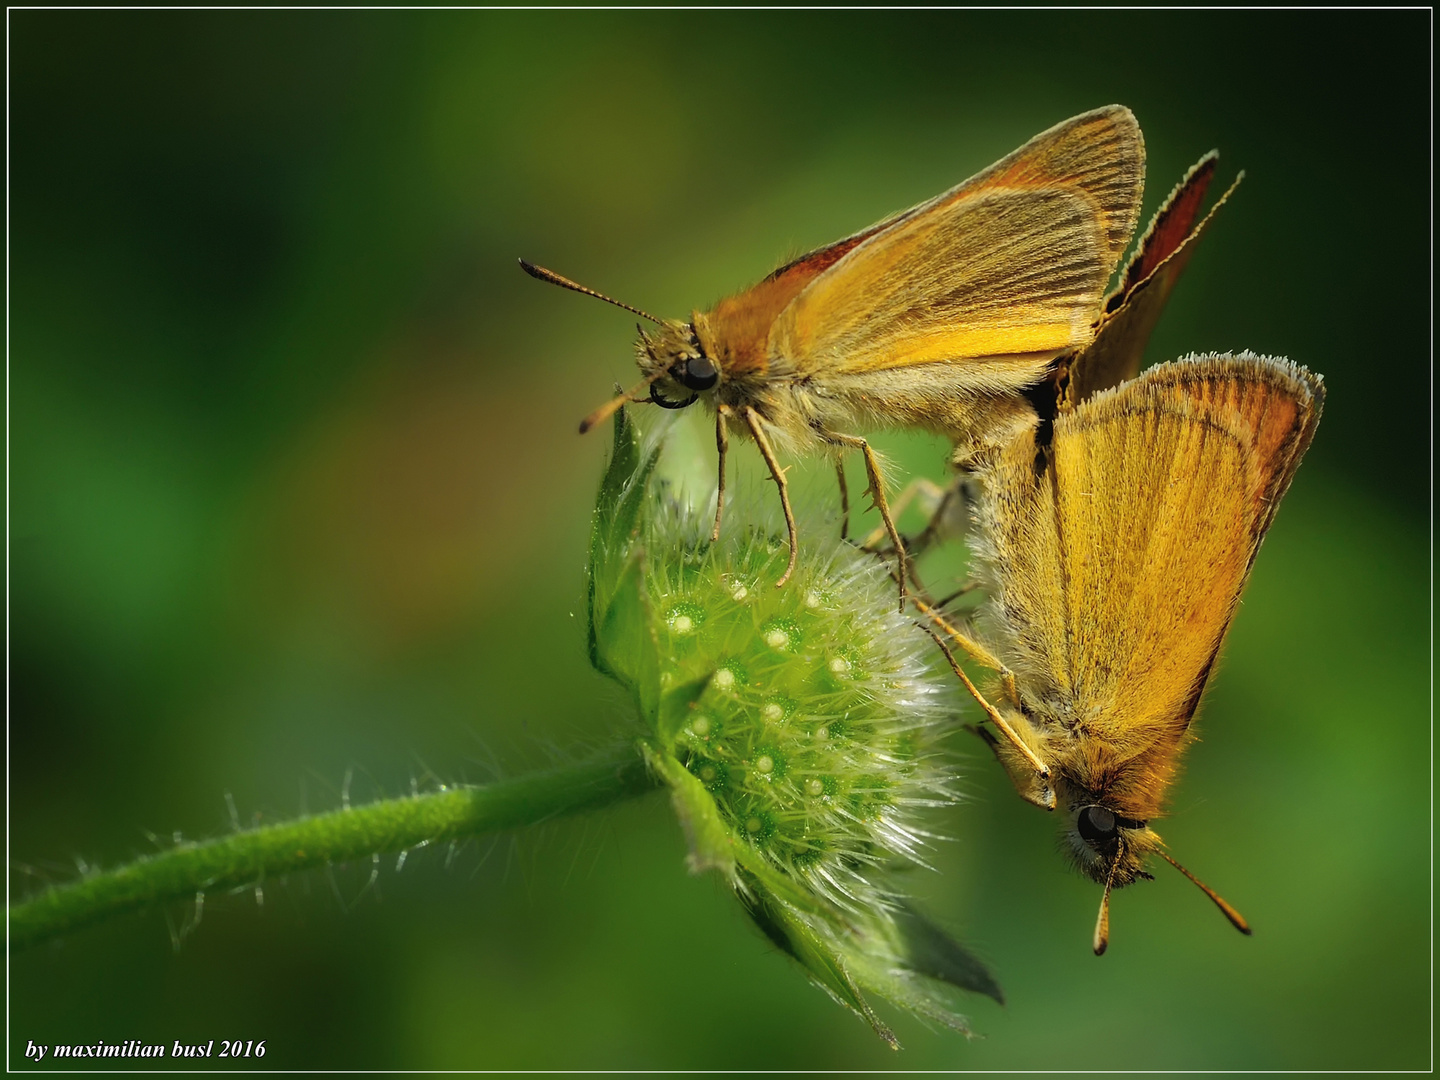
(255, 855)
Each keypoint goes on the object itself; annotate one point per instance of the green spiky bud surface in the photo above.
(799, 729)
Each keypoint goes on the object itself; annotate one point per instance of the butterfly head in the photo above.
(1112, 850)
(1108, 846)
(677, 370)
(675, 365)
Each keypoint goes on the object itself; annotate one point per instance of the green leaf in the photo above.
(622, 631)
(618, 506)
(624, 463)
(676, 706)
(929, 950)
(824, 963)
(911, 992)
(905, 958)
(710, 843)
(792, 891)
(625, 646)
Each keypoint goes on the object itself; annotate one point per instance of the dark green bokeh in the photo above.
(296, 494)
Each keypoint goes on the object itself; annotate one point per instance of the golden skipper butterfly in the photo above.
(938, 317)
(1117, 540)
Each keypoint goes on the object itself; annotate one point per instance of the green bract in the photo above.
(797, 729)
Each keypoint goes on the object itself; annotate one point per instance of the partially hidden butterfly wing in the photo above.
(1134, 308)
(1010, 264)
(1123, 551)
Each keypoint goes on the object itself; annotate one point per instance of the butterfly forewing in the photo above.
(1012, 263)
(1276, 402)
(1122, 552)
(1154, 564)
(1002, 274)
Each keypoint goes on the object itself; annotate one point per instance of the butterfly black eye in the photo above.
(1096, 825)
(697, 373)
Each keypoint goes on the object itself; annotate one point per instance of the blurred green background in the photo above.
(296, 496)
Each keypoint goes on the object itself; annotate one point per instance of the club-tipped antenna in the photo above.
(604, 412)
(1236, 919)
(553, 278)
(1102, 921)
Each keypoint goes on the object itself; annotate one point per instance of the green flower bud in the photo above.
(799, 730)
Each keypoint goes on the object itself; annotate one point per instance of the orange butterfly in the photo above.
(1117, 546)
(938, 317)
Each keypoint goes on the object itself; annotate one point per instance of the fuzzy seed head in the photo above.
(798, 729)
(831, 732)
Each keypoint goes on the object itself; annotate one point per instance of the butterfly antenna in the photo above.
(565, 283)
(1102, 921)
(1236, 919)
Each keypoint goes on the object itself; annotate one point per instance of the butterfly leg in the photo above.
(876, 490)
(1034, 788)
(752, 420)
(931, 496)
(946, 601)
(975, 650)
(954, 501)
(844, 499)
(722, 444)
